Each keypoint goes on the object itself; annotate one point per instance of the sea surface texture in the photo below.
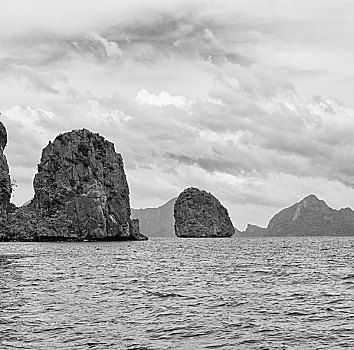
(264, 293)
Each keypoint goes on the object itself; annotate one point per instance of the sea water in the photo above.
(263, 293)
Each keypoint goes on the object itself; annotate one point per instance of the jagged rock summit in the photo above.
(81, 193)
(199, 214)
(310, 217)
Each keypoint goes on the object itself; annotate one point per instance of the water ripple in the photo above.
(272, 293)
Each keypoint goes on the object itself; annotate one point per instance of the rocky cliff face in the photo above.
(157, 222)
(199, 214)
(309, 217)
(5, 182)
(82, 187)
(81, 193)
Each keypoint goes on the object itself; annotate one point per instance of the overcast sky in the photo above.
(250, 100)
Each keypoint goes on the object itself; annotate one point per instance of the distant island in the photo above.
(309, 217)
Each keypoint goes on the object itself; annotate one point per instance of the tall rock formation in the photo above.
(157, 222)
(5, 182)
(81, 193)
(199, 214)
(310, 217)
(81, 188)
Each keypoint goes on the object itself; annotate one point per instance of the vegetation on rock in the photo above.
(199, 214)
(81, 193)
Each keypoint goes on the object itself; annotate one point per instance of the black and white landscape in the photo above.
(249, 100)
(176, 174)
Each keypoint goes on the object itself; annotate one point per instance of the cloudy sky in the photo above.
(250, 100)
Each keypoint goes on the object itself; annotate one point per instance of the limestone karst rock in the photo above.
(310, 217)
(81, 193)
(199, 214)
(5, 182)
(81, 186)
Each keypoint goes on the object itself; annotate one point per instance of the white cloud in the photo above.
(143, 97)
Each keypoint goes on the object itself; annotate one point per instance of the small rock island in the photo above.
(198, 214)
(80, 193)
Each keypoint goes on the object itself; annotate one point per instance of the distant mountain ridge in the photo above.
(309, 217)
(156, 222)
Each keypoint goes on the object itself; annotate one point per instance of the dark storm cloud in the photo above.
(186, 34)
(42, 82)
(147, 38)
(37, 49)
(208, 164)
